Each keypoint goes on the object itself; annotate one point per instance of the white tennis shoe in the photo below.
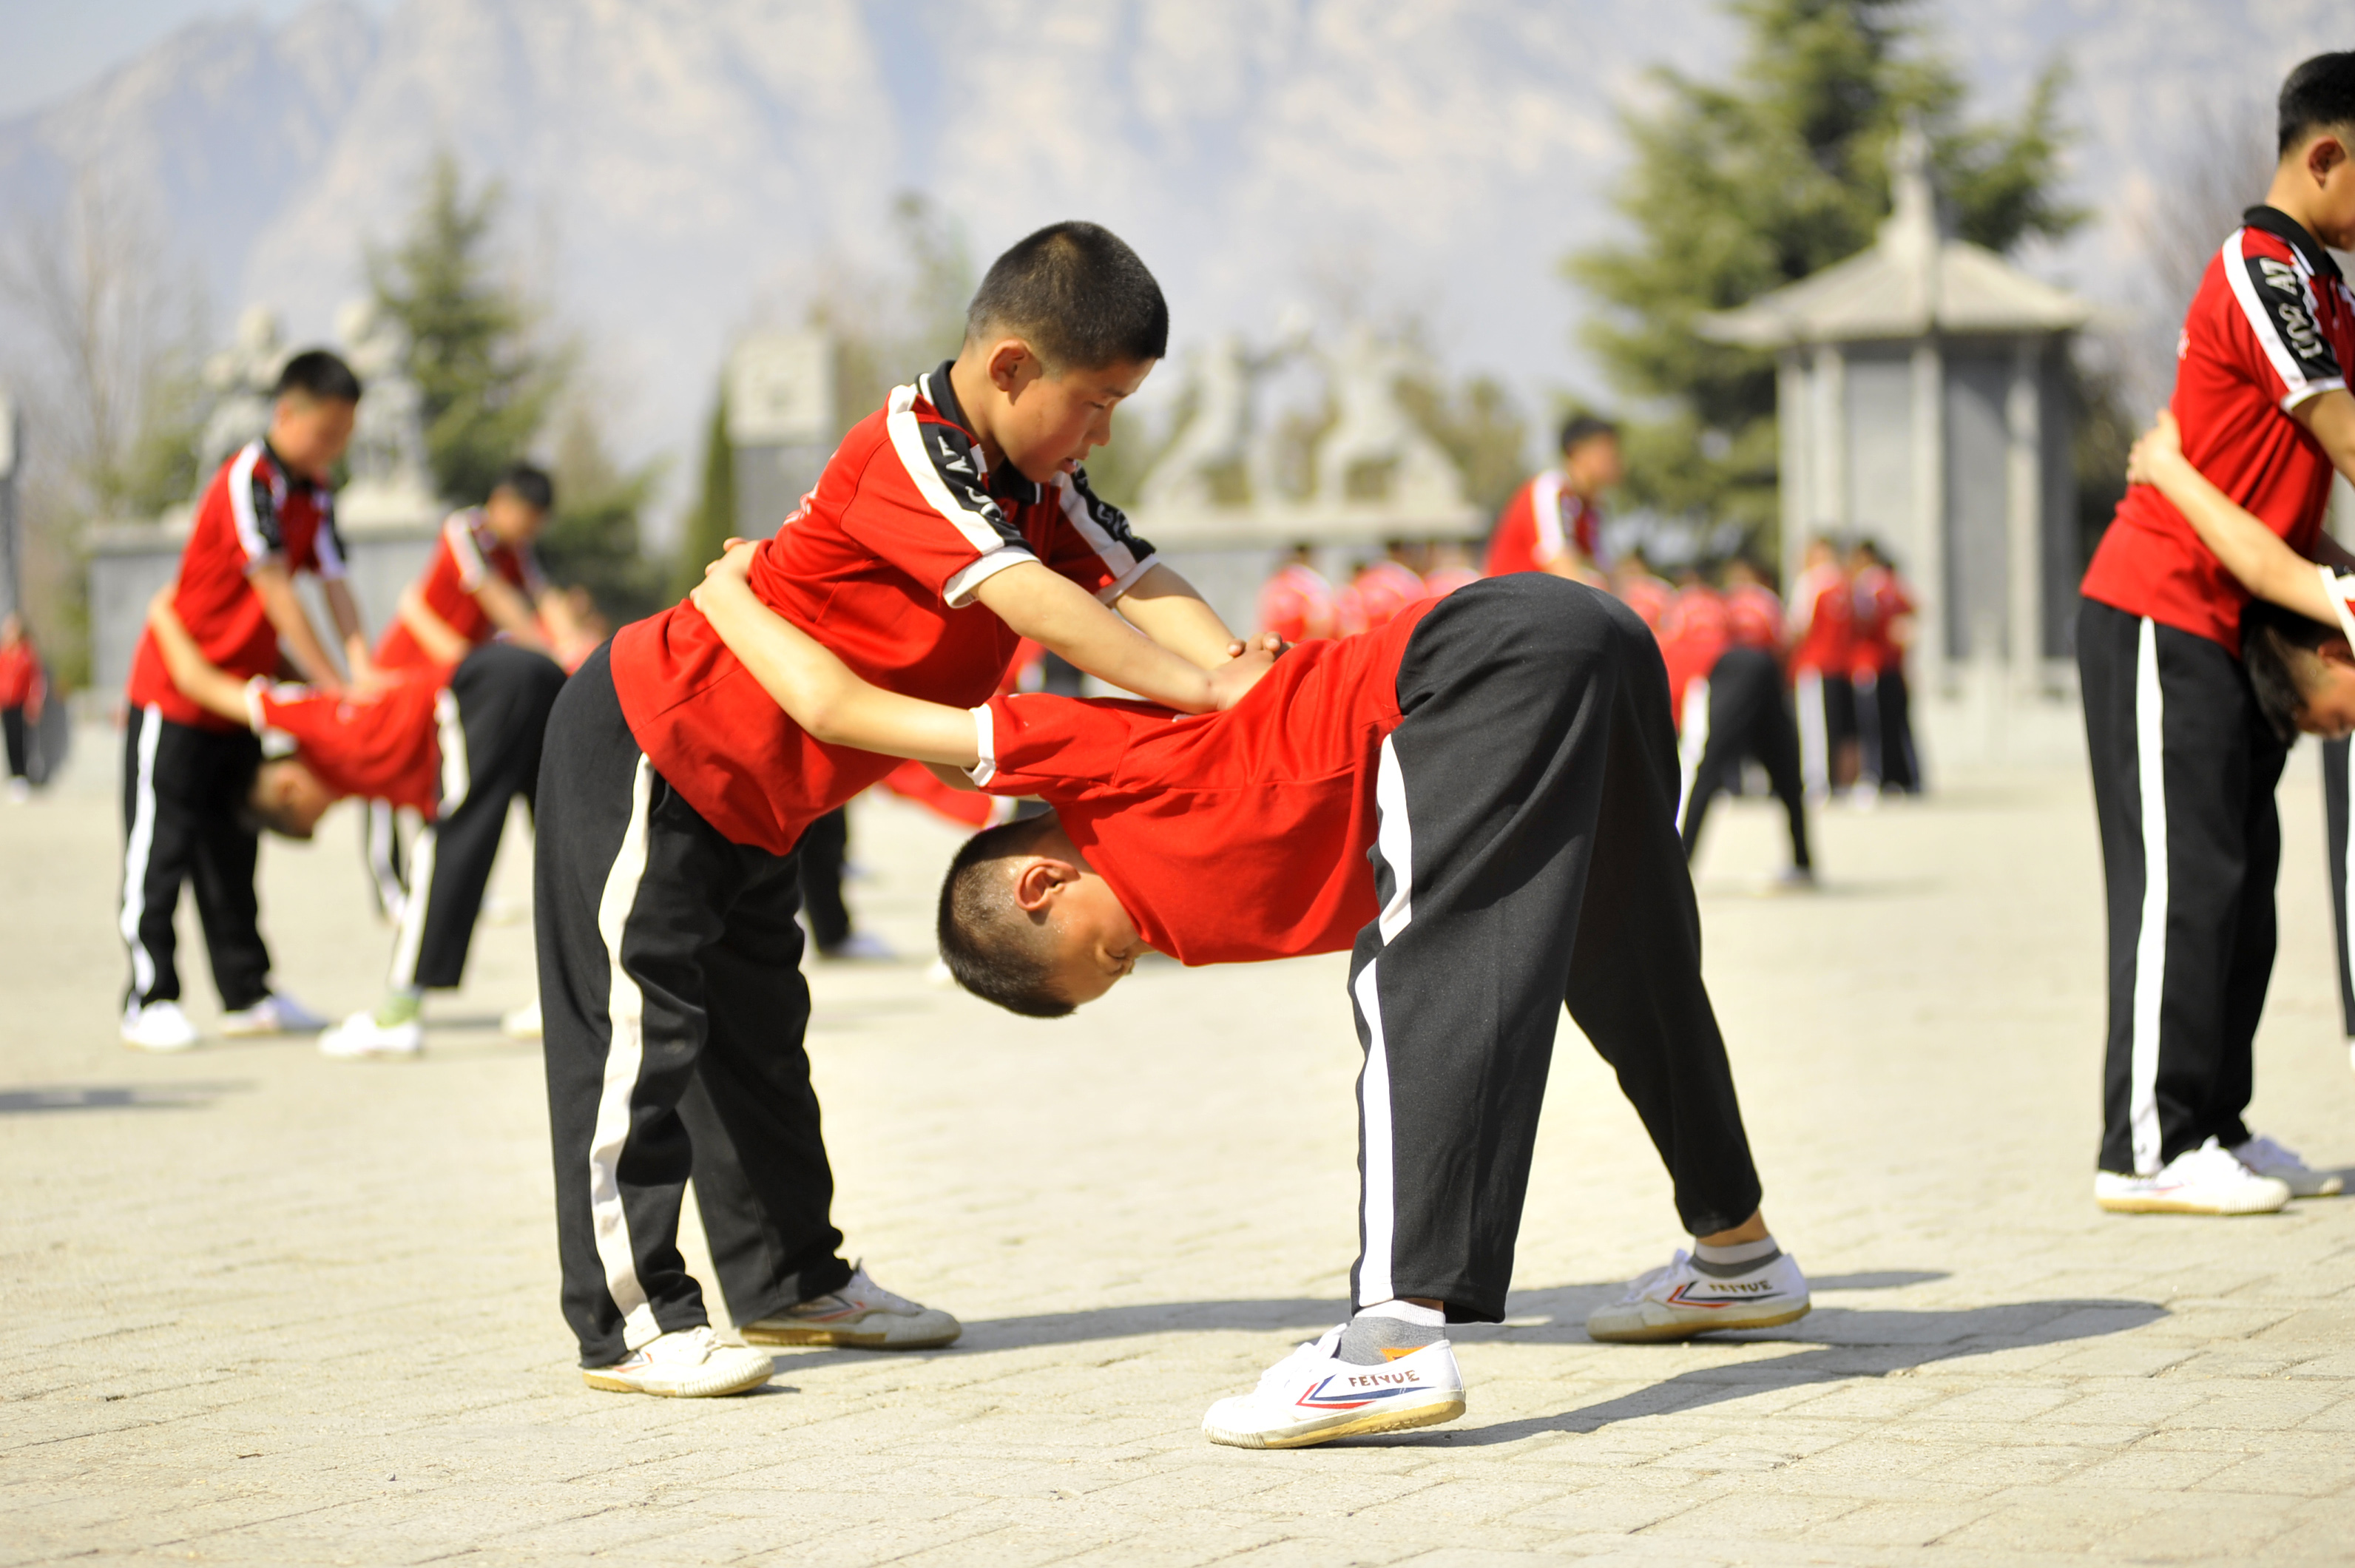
(1678, 1301)
(688, 1364)
(360, 1037)
(861, 1316)
(1313, 1396)
(276, 1013)
(2266, 1158)
(2204, 1181)
(158, 1026)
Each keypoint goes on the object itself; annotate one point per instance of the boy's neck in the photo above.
(2292, 195)
(969, 383)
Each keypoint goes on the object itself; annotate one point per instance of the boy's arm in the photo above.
(346, 610)
(2330, 416)
(1058, 613)
(200, 680)
(2252, 553)
(1165, 607)
(440, 639)
(563, 627)
(275, 585)
(510, 613)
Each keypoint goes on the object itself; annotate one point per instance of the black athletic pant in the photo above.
(491, 720)
(2335, 803)
(1739, 713)
(1825, 706)
(183, 791)
(824, 845)
(1527, 856)
(13, 730)
(674, 1011)
(1884, 730)
(2184, 768)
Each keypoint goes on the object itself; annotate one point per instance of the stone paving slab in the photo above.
(262, 1307)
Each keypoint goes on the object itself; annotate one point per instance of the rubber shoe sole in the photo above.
(1662, 1333)
(711, 1385)
(1429, 1414)
(770, 1332)
(2158, 1203)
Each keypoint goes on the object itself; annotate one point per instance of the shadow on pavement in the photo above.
(114, 1097)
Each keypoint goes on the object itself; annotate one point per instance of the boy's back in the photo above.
(880, 564)
(2272, 325)
(255, 510)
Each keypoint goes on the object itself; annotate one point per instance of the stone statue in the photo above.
(1222, 458)
(390, 483)
(1375, 453)
(241, 379)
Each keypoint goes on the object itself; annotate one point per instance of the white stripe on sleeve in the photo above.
(258, 547)
(985, 746)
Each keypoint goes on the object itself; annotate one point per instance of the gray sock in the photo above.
(1372, 1338)
(1731, 1263)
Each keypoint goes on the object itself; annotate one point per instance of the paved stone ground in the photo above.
(259, 1306)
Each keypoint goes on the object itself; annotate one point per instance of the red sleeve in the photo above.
(923, 506)
(1092, 543)
(2270, 332)
(290, 708)
(1057, 748)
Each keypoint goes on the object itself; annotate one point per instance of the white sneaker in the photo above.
(2266, 1158)
(1313, 1396)
(276, 1013)
(861, 1316)
(858, 947)
(2204, 1181)
(158, 1026)
(521, 1023)
(1678, 1301)
(360, 1036)
(689, 1364)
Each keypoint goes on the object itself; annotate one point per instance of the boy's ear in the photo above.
(1038, 880)
(1011, 365)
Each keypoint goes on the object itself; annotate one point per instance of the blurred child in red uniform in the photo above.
(1554, 522)
(23, 687)
(1884, 629)
(1297, 603)
(1823, 616)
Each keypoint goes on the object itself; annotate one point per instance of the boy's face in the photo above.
(515, 520)
(1095, 943)
(2327, 162)
(1046, 424)
(311, 433)
(290, 796)
(1594, 465)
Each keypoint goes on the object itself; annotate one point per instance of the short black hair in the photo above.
(528, 483)
(991, 944)
(1580, 428)
(2319, 95)
(2272, 641)
(320, 375)
(258, 814)
(1078, 295)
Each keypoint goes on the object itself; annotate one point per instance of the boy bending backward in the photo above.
(949, 524)
(1450, 797)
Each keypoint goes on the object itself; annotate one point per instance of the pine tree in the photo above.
(486, 387)
(714, 516)
(592, 538)
(1740, 188)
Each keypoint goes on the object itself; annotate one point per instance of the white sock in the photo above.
(1741, 1257)
(1405, 1312)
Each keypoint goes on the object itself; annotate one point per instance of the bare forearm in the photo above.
(824, 695)
(437, 636)
(2251, 551)
(1165, 607)
(510, 614)
(199, 680)
(1063, 618)
(293, 627)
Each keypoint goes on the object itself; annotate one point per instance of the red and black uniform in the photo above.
(2184, 765)
(1297, 603)
(467, 555)
(1823, 615)
(672, 796)
(23, 687)
(1479, 801)
(1546, 526)
(1730, 708)
(1376, 595)
(1884, 724)
(1754, 617)
(184, 770)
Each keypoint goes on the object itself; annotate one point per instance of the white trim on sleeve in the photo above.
(253, 690)
(984, 747)
(458, 533)
(1118, 558)
(1545, 508)
(241, 506)
(958, 591)
(2298, 385)
(1111, 592)
(908, 444)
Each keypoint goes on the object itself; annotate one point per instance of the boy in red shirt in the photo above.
(267, 515)
(453, 739)
(1823, 612)
(946, 526)
(1297, 603)
(1552, 522)
(2184, 763)
(1729, 707)
(484, 580)
(1479, 800)
(22, 688)
(1883, 630)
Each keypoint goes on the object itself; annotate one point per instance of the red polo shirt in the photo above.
(467, 555)
(381, 744)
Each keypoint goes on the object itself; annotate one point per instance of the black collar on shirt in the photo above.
(2274, 222)
(293, 478)
(1007, 483)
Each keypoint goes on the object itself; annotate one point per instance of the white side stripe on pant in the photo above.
(2347, 874)
(1395, 840)
(1374, 1102)
(625, 1010)
(1692, 744)
(138, 848)
(409, 935)
(1815, 736)
(2150, 942)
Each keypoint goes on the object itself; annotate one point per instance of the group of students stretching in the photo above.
(1479, 801)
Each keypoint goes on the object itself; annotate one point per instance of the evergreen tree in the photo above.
(1740, 188)
(713, 519)
(592, 538)
(486, 387)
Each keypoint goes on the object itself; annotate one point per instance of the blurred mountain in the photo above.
(677, 169)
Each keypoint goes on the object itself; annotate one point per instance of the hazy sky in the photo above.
(55, 46)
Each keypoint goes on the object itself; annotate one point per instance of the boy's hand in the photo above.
(1231, 680)
(1275, 647)
(2161, 441)
(735, 566)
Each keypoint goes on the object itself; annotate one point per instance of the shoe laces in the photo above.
(2261, 1154)
(1316, 1350)
(688, 1347)
(1642, 1284)
(2212, 1161)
